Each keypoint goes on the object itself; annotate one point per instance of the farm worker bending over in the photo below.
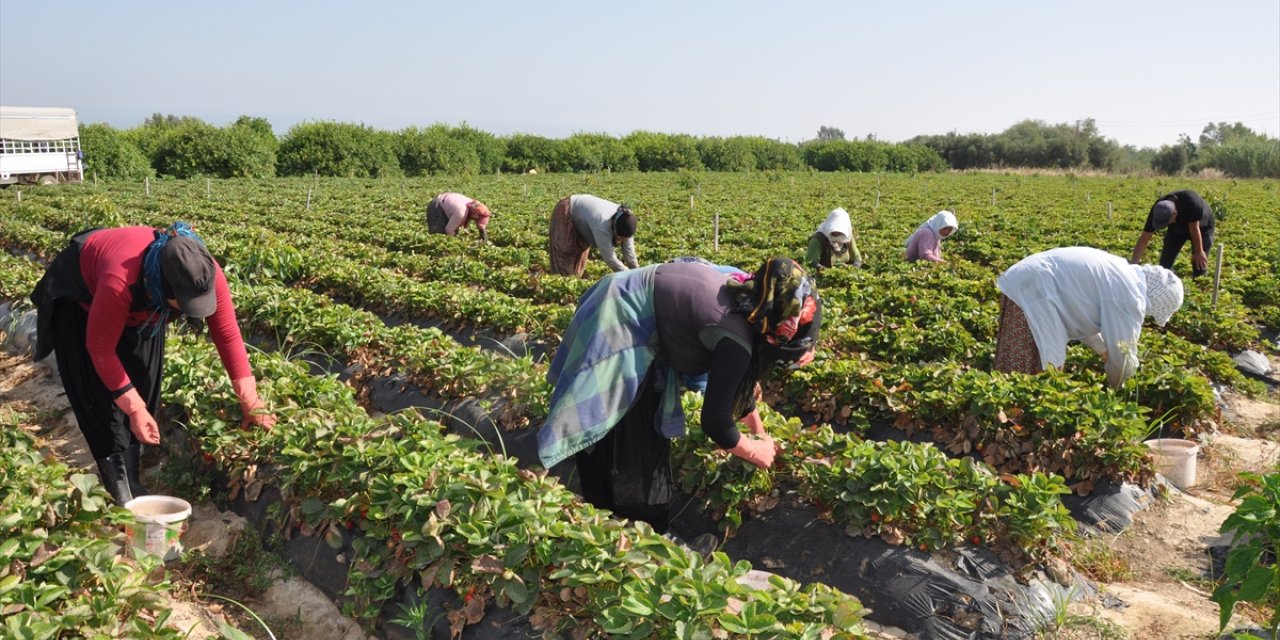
(926, 242)
(580, 222)
(103, 306)
(449, 212)
(1085, 294)
(833, 243)
(1188, 218)
(616, 397)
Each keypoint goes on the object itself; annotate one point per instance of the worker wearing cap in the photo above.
(103, 307)
(1188, 218)
(581, 222)
(449, 212)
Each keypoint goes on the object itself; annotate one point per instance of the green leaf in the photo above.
(1241, 559)
(636, 606)
(229, 632)
(1255, 584)
(517, 591)
(84, 482)
(1225, 596)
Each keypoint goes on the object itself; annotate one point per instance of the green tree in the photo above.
(726, 154)
(251, 147)
(434, 151)
(826, 134)
(338, 149)
(527, 152)
(663, 151)
(109, 153)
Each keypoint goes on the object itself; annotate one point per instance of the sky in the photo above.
(1146, 71)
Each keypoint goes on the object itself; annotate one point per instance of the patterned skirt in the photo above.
(1015, 346)
(567, 249)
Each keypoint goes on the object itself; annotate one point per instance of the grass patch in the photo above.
(1095, 558)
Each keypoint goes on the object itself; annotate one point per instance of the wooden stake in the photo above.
(19, 197)
(308, 199)
(1108, 211)
(208, 189)
(715, 238)
(691, 202)
(1217, 276)
(993, 196)
(146, 182)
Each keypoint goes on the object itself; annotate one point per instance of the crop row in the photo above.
(428, 509)
(302, 318)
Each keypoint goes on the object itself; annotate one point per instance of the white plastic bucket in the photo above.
(159, 524)
(1176, 460)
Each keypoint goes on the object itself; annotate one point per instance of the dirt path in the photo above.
(1166, 594)
(298, 607)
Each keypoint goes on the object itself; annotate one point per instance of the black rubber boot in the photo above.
(132, 467)
(115, 478)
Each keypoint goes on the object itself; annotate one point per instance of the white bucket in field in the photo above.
(1176, 460)
(159, 523)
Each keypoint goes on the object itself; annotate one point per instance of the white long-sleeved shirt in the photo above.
(1085, 294)
(592, 217)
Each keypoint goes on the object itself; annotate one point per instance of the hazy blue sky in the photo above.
(1146, 70)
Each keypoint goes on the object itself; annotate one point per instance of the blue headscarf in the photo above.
(152, 278)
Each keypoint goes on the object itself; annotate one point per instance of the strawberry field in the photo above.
(341, 275)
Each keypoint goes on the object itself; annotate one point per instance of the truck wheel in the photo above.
(47, 179)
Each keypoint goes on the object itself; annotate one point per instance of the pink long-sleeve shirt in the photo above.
(924, 244)
(111, 263)
(455, 207)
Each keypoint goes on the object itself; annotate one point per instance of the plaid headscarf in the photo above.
(779, 290)
(785, 312)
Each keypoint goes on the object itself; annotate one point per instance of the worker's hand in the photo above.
(141, 422)
(805, 359)
(144, 427)
(757, 452)
(1200, 260)
(252, 408)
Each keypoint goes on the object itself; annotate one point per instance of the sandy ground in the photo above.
(35, 390)
(1166, 550)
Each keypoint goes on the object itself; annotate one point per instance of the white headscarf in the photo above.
(1164, 292)
(837, 227)
(941, 220)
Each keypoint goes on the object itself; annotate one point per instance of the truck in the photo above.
(39, 145)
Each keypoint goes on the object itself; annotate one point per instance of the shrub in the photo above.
(338, 149)
(112, 154)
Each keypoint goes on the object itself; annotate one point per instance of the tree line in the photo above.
(185, 147)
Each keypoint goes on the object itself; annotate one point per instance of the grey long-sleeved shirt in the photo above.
(592, 217)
